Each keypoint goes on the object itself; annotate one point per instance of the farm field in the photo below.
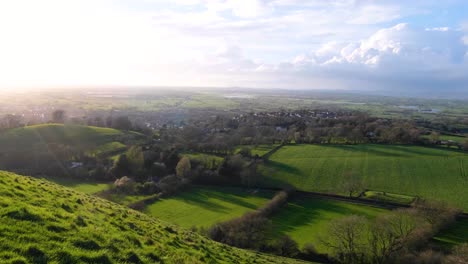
(43, 222)
(306, 220)
(205, 206)
(439, 174)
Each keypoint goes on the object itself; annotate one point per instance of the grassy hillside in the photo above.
(307, 220)
(205, 206)
(41, 222)
(440, 174)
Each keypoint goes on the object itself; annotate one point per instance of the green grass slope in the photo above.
(96, 140)
(307, 220)
(205, 206)
(432, 173)
(41, 222)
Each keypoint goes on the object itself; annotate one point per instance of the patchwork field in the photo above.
(306, 220)
(205, 206)
(439, 174)
(42, 222)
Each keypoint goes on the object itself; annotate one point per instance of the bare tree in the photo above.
(346, 238)
(352, 184)
(389, 234)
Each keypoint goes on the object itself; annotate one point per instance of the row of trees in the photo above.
(400, 236)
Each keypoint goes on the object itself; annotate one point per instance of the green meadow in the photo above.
(205, 206)
(434, 173)
(42, 222)
(306, 220)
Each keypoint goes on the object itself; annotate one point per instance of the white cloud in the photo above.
(255, 43)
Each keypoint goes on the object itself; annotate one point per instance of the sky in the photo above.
(419, 45)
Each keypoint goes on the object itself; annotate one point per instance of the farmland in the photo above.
(205, 206)
(42, 222)
(438, 174)
(306, 220)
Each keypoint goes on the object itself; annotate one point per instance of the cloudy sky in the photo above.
(418, 45)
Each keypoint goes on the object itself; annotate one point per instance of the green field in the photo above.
(58, 133)
(306, 220)
(80, 185)
(439, 174)
(42, 222)
(455, 235)
(205, 206)
(108, 148)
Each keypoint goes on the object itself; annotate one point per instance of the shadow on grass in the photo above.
(282, 167)
(310, 211)
(201, 198)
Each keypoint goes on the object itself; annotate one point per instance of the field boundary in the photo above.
(267, 155)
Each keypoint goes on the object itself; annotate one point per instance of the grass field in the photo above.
(455, 235)
(439, 174)
(306, 220)
(205, 206)
(42, 222)
(80, 185)
(58, 133)
(108, 148)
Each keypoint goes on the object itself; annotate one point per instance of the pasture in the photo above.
(205, 206)
(306, 220)
(433, 173)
